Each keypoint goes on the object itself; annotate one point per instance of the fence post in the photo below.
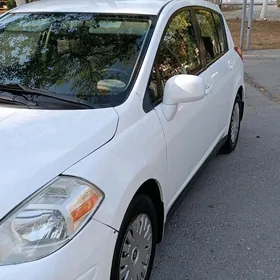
(242, 31)
(250, 22)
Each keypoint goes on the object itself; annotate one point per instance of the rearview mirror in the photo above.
(183, 88)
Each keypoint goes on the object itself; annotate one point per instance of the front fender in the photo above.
(119, 168)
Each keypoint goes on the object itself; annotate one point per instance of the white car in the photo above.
(107, 111)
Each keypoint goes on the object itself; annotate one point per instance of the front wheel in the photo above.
(234, 128)
(136, 243)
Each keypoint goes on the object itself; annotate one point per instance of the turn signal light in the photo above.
(85, 208)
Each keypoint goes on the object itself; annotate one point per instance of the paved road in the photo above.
(263, 67)
(228, 226)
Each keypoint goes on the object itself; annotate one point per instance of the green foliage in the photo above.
(11, 4)
(180, 45)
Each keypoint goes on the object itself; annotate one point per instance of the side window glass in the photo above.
(209, 34)
(154, 92)
(179, 51)
(178, 54)
(221, 32)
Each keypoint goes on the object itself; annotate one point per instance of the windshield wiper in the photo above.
(21, 90)
(13, 101)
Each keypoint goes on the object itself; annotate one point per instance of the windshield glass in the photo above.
(89, 56)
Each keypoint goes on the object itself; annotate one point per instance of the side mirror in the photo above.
(183, 89)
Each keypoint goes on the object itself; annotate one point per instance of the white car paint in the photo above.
(37, 145)
(116, 149)
(97, 6)
(77, 260)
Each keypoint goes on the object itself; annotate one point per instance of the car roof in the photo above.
(150, 7)
(147, 7)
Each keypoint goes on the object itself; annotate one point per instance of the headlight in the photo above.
(48, 220)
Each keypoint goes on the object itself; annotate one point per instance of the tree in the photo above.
(20, 2)
(263, 10)
(11, 4)
(14, 3)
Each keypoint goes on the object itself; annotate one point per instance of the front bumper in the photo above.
(87, 257)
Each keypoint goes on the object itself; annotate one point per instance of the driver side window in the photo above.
(178, 54)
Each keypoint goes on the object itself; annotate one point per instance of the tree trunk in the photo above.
(264, 9)
(20, 2)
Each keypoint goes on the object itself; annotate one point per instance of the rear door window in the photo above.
(209, 35)
(220, 26)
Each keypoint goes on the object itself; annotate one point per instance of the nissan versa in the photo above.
(107, 111)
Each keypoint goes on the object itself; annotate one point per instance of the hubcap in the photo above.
(135, 255)
(235, 123)
(136, 249)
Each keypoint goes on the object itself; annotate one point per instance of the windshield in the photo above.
(89, 56)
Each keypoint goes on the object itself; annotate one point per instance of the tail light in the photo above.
(239, 52)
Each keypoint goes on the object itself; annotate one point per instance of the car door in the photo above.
(187, 134)
(219, 65)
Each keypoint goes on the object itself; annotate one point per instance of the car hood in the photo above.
(38, 145)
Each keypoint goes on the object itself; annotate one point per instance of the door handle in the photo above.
(208, 89)
(230, 65)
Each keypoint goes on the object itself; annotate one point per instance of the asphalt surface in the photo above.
(228, 226)
(263, 67)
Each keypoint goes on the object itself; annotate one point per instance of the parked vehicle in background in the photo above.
(108, 109)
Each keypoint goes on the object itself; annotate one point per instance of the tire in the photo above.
(231, 142)
(140, 209)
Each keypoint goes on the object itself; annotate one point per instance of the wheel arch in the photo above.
(238, 89)
(152, 189)
(241, 93)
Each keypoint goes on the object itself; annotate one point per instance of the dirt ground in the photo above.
(265, 34)
(230, 8)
